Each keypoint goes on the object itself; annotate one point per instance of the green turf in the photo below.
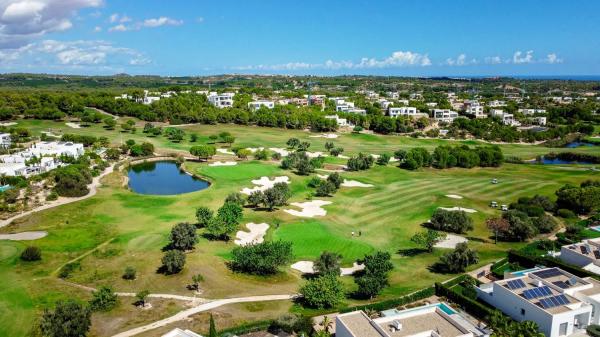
(118, 228)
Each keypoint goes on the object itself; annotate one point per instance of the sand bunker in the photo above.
(450, 241)
(73, 125)
(310, 209)
(305, 267)
(225, 151)
(454, 196)
(308, 267)
(376, 156)
(351, 270)
(282, 152)
(25, 236)
(8, 124)
(223, 163)
(254, 149)
(468, 210)
(315, 154)
(256, 234)
(323, 176)
(264, 183)
(354, 183)
(325, 135)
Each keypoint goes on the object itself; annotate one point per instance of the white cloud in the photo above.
(493, 60)
(113, 18)
(24, 20)
(397, 59)
(162, 21)
(97, 29)
(553, 59)
(119, 28)
(88, 54)
(461, 60)
(520, 58)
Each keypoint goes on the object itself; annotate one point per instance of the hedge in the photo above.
(247, 328)
(472, 306)
(593, 330)
(497, 268)
(393, 303)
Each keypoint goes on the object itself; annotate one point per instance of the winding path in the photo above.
(62, 201)
(200, 308)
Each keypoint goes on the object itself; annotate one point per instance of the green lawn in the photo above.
(118, 228)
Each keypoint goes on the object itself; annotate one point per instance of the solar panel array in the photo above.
(537, 292)
(561, 284)
(548, 273)
(554, 301)
(515, 284)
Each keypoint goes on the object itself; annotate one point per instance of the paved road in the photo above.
(200, 308)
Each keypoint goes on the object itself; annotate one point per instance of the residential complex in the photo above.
(445, 115)
(585, 254)
(40, 157)
(559, 302)
(224, 100)
(255, 105)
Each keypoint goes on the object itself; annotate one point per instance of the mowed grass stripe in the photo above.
(385, 194)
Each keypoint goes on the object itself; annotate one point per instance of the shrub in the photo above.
(72, 180)
(69, 319)
(451, 221)
(336, 179)
(261, 259)
(129, 273)
(173, 261)
(204, 215)
(104, 299)
(565, 213)
(325, 189)
(31, 253)
(545, 223)
(67, 269)
(593, 330)
(314, 182)
(52, 196)
(323, 292)
(360, 162)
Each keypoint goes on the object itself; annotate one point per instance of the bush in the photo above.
(314, 182)
(323, 292)
(565, 213)
(451, 221)
(325, 189)
(261, 259)
(593, 330)
(104, 299)
(72, 180)
(68, 268)
(173, 261)
(52, 196)
(129, 273)
(545, 223)
(31, 253)
(69, 319)
(336, 179)
(360, 162)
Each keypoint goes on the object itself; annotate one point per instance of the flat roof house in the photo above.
(338, 120)
(5, 140)
(255, 105)
(585, 254)
(434, 320)
(403, 111)
(445, 115)
(224, 100)
(559, 302)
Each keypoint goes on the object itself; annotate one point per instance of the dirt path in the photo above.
(200, 308)
(61, 200)
(103, 112)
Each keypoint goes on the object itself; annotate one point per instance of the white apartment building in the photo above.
(434, 320)
(559, 302)
(384, 103)
(476, 110)
(540, 120)
(402, 111)
(255, 105)
(496, 104)
(585, 254)
(5, 140)
(445, 115)
(393, 94)
(403, 101)
(528, 112)
(340, 121)
(48, 153)
(224, 100)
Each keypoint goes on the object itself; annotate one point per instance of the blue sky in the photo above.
(200, 37)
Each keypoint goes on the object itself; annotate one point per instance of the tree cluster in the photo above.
(457, 222)
(261, 259)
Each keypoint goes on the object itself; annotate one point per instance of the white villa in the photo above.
(48, 153)
(434, 320)
(496, 104)
(340, 121)
(255, 105)
(560, 303)
(507, 119)
(224, 100)
(445, 115)
(476, 110)
(5, 140)
(402, 111)
(532, 111)
(585, 254)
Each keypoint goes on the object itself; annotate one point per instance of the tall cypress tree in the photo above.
(212, 332)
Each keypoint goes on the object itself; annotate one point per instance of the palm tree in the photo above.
(327, 323)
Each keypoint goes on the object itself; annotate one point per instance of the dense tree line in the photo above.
(448, 156)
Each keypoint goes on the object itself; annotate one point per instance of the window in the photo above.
(562, 329)
(522, 311)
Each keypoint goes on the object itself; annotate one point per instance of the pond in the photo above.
(578, 144)
(163, 178)
(557, 161)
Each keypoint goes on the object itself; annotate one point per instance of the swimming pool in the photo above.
(525, 271)
(595, 228)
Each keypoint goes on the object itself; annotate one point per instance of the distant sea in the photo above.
(540, 77)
